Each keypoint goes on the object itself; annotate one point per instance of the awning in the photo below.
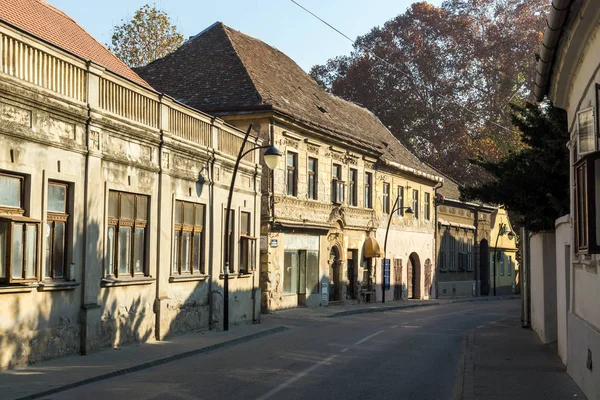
(455, 224)
(372, 248)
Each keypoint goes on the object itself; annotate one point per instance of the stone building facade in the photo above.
(112, 199)
(324, 216)
(463, 244)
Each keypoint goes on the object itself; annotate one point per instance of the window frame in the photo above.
(117, 223)
(55, 217)
(178, 231)
(229, 232)
(313, 178)
(415, 203)
(291, 186)
(427, 206)
(4, 209)
(368, 190)
(338, 186)
(247, 246)
(385, 197)
(594, 133)
(352, 187)
(11, 221)
(400, 210)
(585, 204)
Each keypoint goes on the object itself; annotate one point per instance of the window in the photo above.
(188, 239)
(469, 254)
(292, 174)
(501, 260)
(587, 204)
(400, 201)
(126, 242)
(443, 253)
(301, 272)
(352, 186)
(230, 238)
(509, 266)
(368, 190)
(386, 198)
(338, 187)
(452, 252)
(462, 254)
(313, 181)
(415, 203)
(57, 220)
(427, 208)
(586, 134)
(247, 244)
(19, 235)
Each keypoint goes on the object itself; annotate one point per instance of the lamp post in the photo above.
(503, 230)
(409, 211)
(272, 156)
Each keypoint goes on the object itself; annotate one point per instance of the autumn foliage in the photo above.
(147, 37)
(442, 78)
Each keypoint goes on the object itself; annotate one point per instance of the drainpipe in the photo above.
(435, 232)
(554, 26)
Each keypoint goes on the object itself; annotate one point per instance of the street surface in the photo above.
(412, 353)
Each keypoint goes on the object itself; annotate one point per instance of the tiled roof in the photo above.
(222, 69)
(52, 25)
(450, 189)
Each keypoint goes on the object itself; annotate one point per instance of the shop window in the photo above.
(19, 235)
(247, 244)
(57, 226)
(301, 272)
(126, 236)
(188, 239)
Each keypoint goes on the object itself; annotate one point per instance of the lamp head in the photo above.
(409, 211)
(272, 156)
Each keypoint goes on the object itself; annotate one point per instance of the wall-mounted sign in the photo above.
(274, 242)
(386, 273)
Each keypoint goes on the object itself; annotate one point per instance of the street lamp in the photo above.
(503, 230)
(409, 212)
(272, 156)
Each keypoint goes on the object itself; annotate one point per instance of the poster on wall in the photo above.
(386, 273)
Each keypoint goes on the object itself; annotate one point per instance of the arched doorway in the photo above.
(334, 274)
(484, 267)
(414, 276)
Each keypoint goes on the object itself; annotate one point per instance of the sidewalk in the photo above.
(505, 361)
(351, 309)
(45, 378)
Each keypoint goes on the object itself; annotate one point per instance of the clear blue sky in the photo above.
(279, 23)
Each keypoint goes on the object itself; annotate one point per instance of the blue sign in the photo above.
(386, 273)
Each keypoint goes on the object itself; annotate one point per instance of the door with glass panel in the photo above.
(301, 273)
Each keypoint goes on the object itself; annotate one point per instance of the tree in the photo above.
(441, 78)
(147, 37)
(533, 183)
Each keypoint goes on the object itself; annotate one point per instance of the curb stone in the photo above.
(156, 362)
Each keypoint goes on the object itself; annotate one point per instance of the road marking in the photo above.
(368, 337)
(412, 326)
(293, 379)
(395, 326)
(344, 350)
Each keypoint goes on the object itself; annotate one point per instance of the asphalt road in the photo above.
(405, 354)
